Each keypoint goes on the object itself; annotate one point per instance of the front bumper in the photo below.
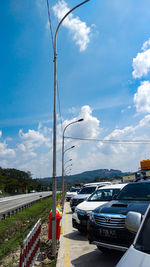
(118, 239)
(68, 198)
(79, 221)
(109, 246)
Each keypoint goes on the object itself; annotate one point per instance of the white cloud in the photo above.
(142, 97)
(146, 45)
(145, 122)
(125, 156)
(89, 128)
(141, 64)
(33, 138)
(32, 154)
(5, 151)
(77, 27)
(118, 132)
(72, 110)
(22, 147)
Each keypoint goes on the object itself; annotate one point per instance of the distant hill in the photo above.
(87, 177)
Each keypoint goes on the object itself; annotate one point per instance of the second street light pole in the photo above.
(63, 184)
(54, 136)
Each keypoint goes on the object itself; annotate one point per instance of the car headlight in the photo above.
(91, 216)
(77, 210)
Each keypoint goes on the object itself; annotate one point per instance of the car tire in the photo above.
(104, 250)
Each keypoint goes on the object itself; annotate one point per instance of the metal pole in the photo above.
(63, 152)
(68, 166)
(67, 161)
(54, 137)
(54, 186)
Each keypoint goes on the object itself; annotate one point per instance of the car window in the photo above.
(136, 191)
(73, 190)
(87, 190)
(143, 240)
(103, 194)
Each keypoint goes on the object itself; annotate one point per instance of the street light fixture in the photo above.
(54, 134)
(63, 185)
(69, 149)
(67, 167)
(67, 161)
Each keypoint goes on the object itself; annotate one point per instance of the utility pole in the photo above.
(54, 136)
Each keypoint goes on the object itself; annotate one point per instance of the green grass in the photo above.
(15, 228)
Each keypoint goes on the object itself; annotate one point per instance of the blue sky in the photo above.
(103, 76)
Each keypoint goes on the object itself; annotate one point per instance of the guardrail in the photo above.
(30, 247)
(8, 211)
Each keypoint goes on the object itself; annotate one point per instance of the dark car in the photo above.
(106, 226)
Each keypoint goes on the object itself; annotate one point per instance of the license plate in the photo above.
(108, 233)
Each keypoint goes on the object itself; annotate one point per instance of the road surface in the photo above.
(75, 249)
(9, 205)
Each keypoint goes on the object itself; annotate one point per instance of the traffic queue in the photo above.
(112, 214)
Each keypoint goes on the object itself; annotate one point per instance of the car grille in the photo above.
(113, 221)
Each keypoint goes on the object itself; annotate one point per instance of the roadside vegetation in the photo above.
(15, 228)
(13, 181)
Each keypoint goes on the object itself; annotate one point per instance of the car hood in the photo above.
(123, 207)
(80, 196)
(90, 205)
(134, 258)
(68, 194)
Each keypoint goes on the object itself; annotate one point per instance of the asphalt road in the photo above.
(9, 205)
(75, 249)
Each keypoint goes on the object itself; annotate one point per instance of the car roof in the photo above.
(113, 186)
(97, 184)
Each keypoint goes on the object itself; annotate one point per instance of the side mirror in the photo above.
(133, 221)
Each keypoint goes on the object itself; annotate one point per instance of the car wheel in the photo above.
(104, 250)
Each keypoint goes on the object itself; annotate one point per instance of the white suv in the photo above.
(98, 198)
(72, 192)
(85, 192)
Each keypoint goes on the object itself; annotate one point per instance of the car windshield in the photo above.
(73, 190)
(87, 190)
(103, 194)
(143, 241)
(136, 191)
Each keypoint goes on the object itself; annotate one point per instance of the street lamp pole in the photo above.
(67, 167)
(69, 149)
(67, 161)
(63, 152)
(54, 135)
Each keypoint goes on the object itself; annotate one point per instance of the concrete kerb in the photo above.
(61, 251)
